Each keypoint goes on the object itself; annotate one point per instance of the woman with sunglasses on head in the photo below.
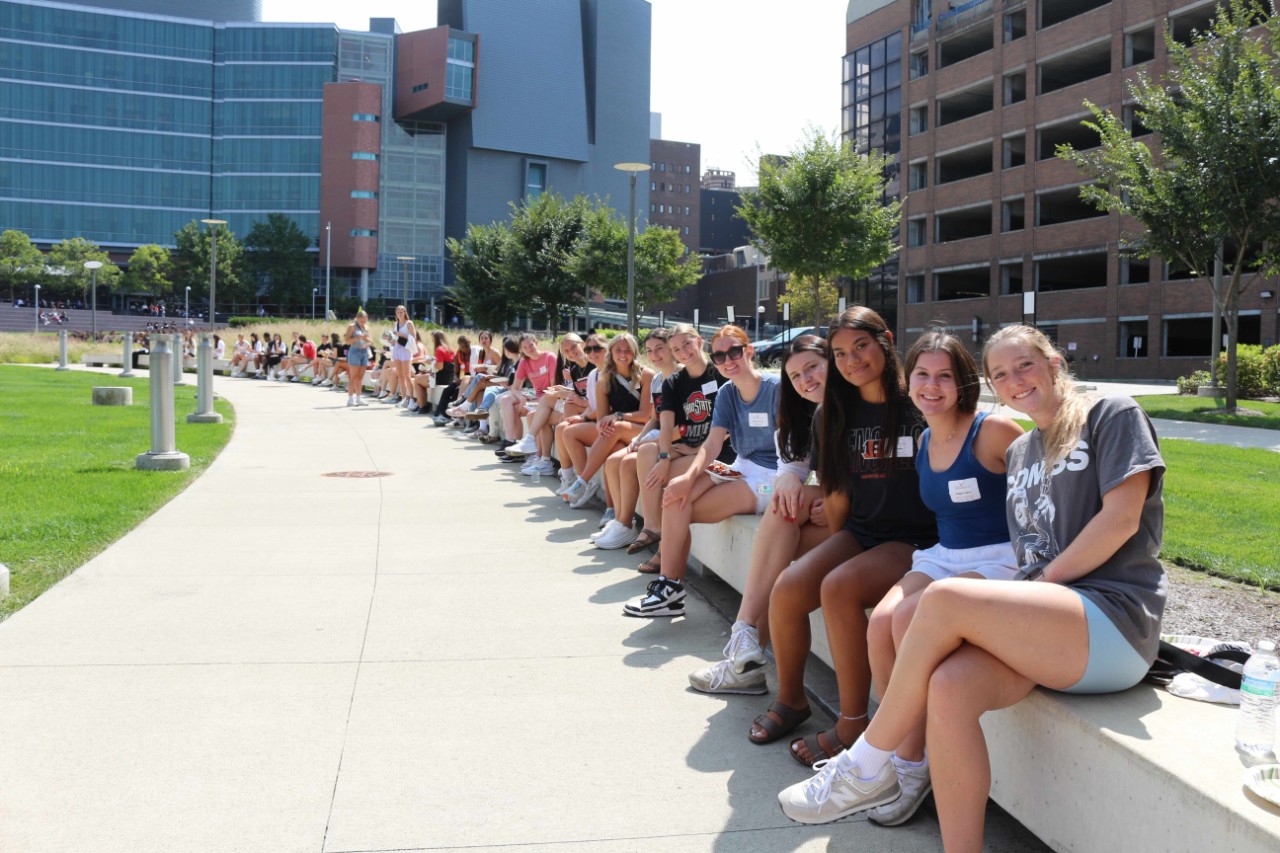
(867, 437)
(790, 528)
(1084, 509)
(744, 412)
(623, 405)
(621, 476)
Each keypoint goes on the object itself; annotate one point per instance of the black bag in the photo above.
(1172, 660)
(402, 340)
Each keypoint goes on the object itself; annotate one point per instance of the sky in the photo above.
(738, 77)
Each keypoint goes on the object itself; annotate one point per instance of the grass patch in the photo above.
(1201, 410)
(70, 486)
(1221, 505)
(42, 348)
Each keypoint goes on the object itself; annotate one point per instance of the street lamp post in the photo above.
(93, 267)
(204, 366)
(213, 266)
(328, 259)
(631, 169)
(186, 305)
(36, 308)
(404, 275)
(313, 303)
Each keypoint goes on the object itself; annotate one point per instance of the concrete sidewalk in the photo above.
(433, 659)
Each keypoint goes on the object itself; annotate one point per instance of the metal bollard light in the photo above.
(177, 360)
(127, 369)
(62, 350)
(164, 455)
(204, 413)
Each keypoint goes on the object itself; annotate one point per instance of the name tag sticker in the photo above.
(758, 419)
(710, 387)
(906, 446)
(963, 491)
(542, 371)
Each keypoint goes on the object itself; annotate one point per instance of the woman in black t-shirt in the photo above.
(866, 440)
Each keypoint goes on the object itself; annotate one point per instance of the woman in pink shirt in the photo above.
(539, 369)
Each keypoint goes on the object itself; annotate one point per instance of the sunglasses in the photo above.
(734, 353)
(593, 348)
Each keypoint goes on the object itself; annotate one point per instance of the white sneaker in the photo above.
(744, 647)
(413, 407)
(382, 395)
(404, 404)
(837, 791)
(608, 516)
(531, 463)
(615, 535)
(351, 402)
(721, 677)
(462, 409)
(335, 387)
(573, 490)
(524, 446)
(586, 495)
(360, 401)
(546, 466)
(914, 785)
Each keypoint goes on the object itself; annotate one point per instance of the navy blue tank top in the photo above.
(968, 500)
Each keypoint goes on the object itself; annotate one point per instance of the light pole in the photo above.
(36, 308)
(313, 303)
(631, 169)
(328, 258)
(213, 266)
(404, 275)
(759, 314)
(93, 267)
(186, 305)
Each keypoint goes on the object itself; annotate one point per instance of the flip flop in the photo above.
(646, 539)
(783, 722)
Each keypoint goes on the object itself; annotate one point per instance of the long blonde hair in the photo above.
(1063, 434)
(609, 370)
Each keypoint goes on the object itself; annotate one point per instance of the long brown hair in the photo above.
(841, 400)
(795, 413)
(968, 383)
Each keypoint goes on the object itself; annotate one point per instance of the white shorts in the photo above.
(994, 562)
(758, 478)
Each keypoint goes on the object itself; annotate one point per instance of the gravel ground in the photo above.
(1214, 607)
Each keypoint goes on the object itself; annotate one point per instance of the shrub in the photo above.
(1251, 378)
(1191, 384)
(1271, 369)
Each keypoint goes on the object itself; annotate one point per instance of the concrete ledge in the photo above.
(102, 359)
(1139, 770)
(121, 395)
(144, 360)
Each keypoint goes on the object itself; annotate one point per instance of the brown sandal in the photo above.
(651, 566)
(779, 721)
(646, 538)
(819, 746)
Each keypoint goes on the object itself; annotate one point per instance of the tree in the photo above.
(276, 256)
(544, 233)
(148, 272)
(191, 264)
(480, 289)
(663, 266)
(21, 263)
(69, 258)
(821, 213)
(1216, 179)
(801, 300)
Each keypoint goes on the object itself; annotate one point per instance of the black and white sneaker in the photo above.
(663, 598)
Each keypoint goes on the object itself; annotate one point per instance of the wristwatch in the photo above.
(664, 456)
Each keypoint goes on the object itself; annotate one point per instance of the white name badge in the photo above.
(963, 491)
(542, 371)
(906, 446)
(709, 387)
(758, 419)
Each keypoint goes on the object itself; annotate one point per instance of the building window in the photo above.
(1010, 278)
(688, 170)
(686, 231)
(918, 121)
(459, 73)
(364, 116)
(1013, 215)
(363, 194)
(915, 289)
(653, 208)
(535, 178)
(686, 210)
(1015, 151)
(363, 155)
(919, 65)
(686, 188)
(1135, 270)
(1015, 25)
(653, 186)
(1015, 88)
(918, 175)
(1133, 340)
(917, 232)
(363, 232)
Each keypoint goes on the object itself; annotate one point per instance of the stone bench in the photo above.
(144, 360)
(1141, 770)
(102, 359)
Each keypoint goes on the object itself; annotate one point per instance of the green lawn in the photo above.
(1184, 408)
(70, 488)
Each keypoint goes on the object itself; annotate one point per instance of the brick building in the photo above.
(971, 101)
(674, 200)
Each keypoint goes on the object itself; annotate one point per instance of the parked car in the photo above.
(769, 352)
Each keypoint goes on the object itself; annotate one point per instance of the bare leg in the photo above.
(707, 503)
(888, 624)
(777, 543)
(627, 493)
(597, 451)
(512, 427)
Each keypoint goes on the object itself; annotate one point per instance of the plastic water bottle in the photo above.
(1256, 726)
(536, 476)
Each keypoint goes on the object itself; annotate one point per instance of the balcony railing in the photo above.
(964, 15)
(920, 31)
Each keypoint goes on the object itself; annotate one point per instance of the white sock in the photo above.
(904, 764)
(568, 474)
(870, 760)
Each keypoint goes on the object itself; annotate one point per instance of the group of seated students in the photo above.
(887, 499)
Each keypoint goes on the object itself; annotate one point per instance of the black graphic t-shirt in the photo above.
(574, 376)
(692, 399)
(884, 491)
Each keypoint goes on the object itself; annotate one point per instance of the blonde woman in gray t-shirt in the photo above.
(1086, 516)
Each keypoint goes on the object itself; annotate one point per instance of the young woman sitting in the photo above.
(743, 411)
(567, 398)
(584, 395)
(1085, 514)
(538, 368)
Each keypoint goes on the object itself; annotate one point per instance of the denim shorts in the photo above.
(357, 357)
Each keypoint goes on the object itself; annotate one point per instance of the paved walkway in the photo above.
(432, 660)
